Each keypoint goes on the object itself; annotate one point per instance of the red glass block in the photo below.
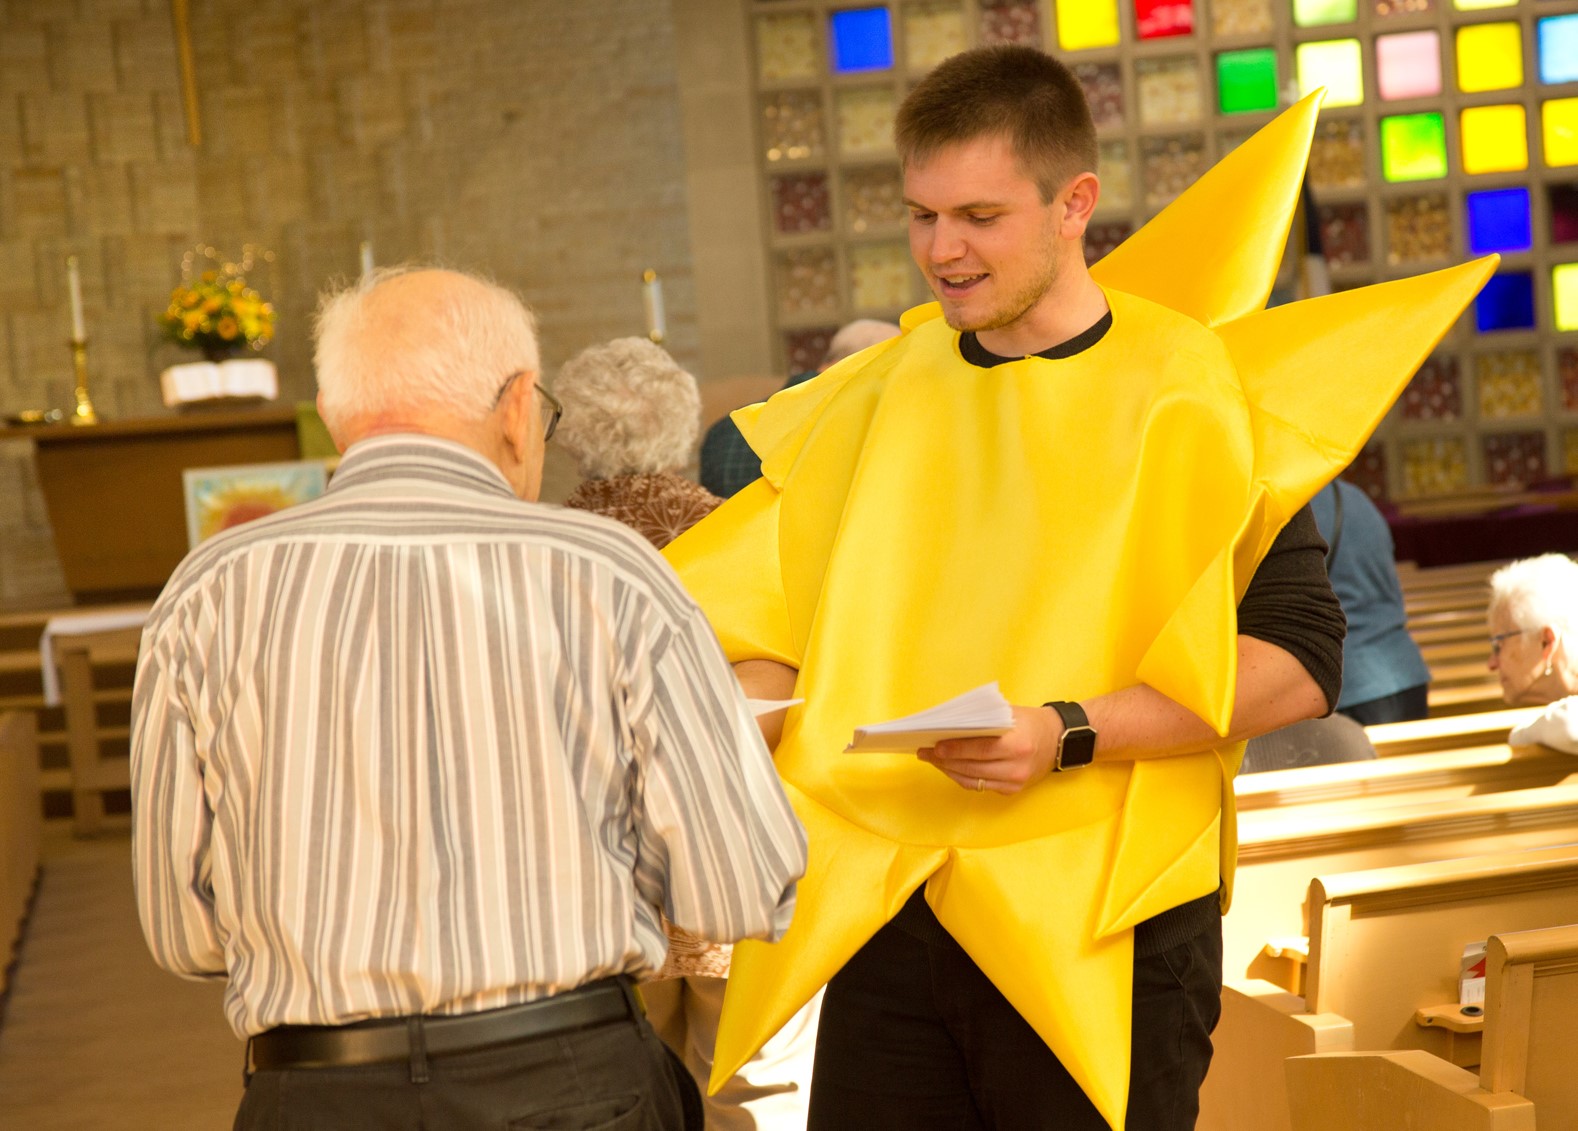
(1103, 86)
(1344, 233)
(1567, 369)
(1100, 239)
(800, 203)
(1514, 457)
(1158, 19)
(1435, 393)
(807, 348)
(1011, 21)
(1368, 472)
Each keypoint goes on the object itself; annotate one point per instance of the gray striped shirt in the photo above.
(419, 747)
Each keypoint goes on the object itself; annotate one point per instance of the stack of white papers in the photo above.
(982, 713)
(760, 707)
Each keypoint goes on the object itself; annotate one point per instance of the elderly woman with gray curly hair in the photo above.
(631, 416)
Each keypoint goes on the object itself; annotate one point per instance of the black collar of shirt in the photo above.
(977, 354)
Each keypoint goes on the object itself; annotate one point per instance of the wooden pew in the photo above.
(1526, 1068)
(1418, 736)
(97, 753)
(1465, 698)
(1384, 948)
(21, 826)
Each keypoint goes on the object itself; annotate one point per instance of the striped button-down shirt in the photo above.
(419, 747)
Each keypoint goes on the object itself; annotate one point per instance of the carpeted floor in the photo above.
(94, 1035)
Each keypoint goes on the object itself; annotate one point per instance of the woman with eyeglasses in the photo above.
(1533, 613)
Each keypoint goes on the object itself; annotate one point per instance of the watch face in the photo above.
(1078, 747)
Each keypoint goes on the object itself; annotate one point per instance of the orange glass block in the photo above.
(1494, 139)
(1088, 23)
(1559, 123)
(1489, 57)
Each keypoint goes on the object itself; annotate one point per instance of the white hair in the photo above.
(856, 336)
(629, 409)
(1538, 593)
(453, 355)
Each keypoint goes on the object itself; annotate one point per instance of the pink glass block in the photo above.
(1385, 8)
(800, 203)
(1514, 457)
(1408, 65)
(1011, 21)
(1436, 391)
(1103, 90)
(807, 348)
(1345, 233)
(1100, 239)
(1368, 472)
(1567, 367)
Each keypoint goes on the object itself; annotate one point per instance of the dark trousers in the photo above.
(915, 1038)
(614, 1077)
(1409, 703)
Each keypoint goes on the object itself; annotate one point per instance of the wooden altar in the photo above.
(115, 496)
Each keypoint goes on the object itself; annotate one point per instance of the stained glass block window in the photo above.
(1480, 5)
(1435, 467)
(1494, 139)
(1435, 393)
(1315, 13)
(1386, 8)
(865, 120)
(1246, 81)
(1241, 17)
(1499, 220)
(1088, 23)
(1558, 37)
(787, 46)
(807, 348)
(932, 32)
(1337, 154)
(1514, 457)
(800, 203)
(880, 277)
(1489, 57)
(1559, 125)
(1158, 19)
(792, 127)
(1368, 472)
(1408, 65)
(1334, 64)
(1418, 229)
(1506, 303)
(1117, 175)
(1011, 21)
(1169, 90)
(1570, 451)
(873, 198)
(807, 282)
(1567, 376)
(1413, 147)
(862, 40)
(1102, 238)
(1564, 293)
(1169, 165)
(1344, 233)
(1509, 384)
(1563, 201)
(1103, 86)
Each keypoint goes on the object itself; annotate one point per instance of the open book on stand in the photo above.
(981, 713)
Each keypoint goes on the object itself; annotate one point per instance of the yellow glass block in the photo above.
(787, 46)
(1434, 466)
(1570, 448)
(1087, 23)
(932, 32)
(1335, 64)
(1489, 57)
(1509, 384)
(1564, 289)
(1477, 5)
(1495, 139)
(1559, 117)
(880, 277)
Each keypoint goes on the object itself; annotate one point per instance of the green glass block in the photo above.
(1413, 147)
(1315, 13)
(1246, 80)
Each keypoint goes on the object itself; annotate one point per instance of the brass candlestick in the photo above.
(83, 413)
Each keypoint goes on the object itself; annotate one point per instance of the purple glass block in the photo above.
(1368, 472)
(1344, 233)
(1100, 239)
(1567, 367)
(1514, 457)
(1011, 21)
(1498, 220)
(1436, 392)
(800, 203)
(807, 348)
(1564, 213)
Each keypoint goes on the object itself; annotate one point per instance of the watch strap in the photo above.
(1076, 746)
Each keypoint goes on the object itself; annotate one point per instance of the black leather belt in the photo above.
(386, 1040)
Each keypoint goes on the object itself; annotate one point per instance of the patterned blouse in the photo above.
(660, 508)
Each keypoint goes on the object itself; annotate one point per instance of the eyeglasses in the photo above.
(1495, 641)
(555, 409)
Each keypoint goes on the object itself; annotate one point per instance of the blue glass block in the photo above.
(862, 40)
(1559, 48)
(1498, 220)
(1506, 303)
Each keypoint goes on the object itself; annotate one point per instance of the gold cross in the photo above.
(183, 46)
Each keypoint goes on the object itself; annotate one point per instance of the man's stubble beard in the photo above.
(1014, 307)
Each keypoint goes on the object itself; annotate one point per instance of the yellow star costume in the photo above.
(1068, 528)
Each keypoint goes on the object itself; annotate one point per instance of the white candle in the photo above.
(367, 257)
(652, 297)
(79, 329)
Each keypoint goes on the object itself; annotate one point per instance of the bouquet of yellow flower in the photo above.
(214, 310)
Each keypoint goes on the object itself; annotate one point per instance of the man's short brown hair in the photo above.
(1009, 91)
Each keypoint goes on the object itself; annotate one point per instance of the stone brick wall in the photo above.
(538, 141)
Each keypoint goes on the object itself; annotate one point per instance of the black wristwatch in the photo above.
(1076, 746)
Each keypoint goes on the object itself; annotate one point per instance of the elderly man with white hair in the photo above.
(418, 767)
(1533, 619)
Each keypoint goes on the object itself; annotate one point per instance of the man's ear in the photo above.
(516, 414)
(1080, 198)
(339, 445)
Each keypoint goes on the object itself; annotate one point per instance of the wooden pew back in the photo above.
(21, 826)
(1531, 989)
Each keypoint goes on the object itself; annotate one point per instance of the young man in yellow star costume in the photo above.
(1064, 481)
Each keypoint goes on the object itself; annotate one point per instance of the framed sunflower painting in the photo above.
(219, 498)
